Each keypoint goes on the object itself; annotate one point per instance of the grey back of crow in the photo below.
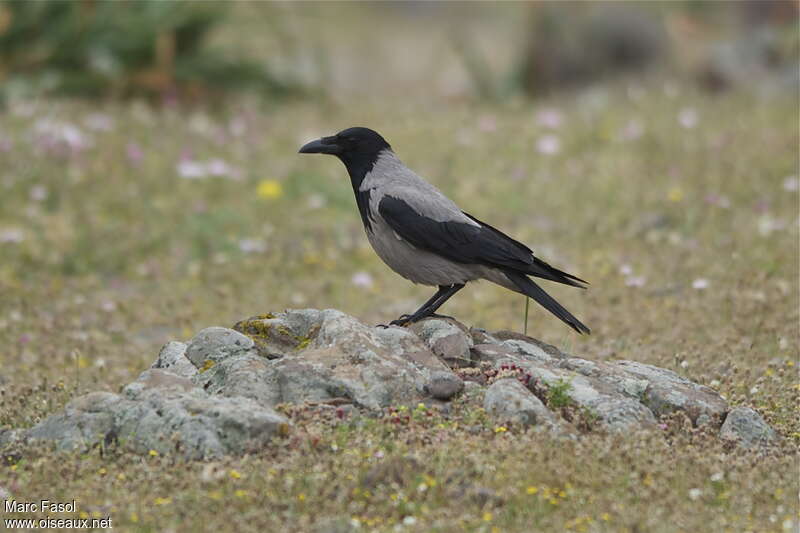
(426, 238)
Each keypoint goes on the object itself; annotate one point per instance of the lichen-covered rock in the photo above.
(172, 358)
(507, 400)
(444, 385)
(9, 436)
(84, 422)
(189, 423)
(325, 356)
(214, 344)
(156, 378)
(215, 395)
(447, 339)
(247, 375)
(276, 335)
(668, 392)
(747, 428)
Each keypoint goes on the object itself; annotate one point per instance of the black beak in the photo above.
(325, 145)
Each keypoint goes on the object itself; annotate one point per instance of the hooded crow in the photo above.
(424, 236)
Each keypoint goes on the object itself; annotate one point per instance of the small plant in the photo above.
(558, 394)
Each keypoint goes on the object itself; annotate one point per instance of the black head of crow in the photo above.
(426, 238)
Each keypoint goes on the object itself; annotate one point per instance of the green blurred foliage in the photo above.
(105, 48)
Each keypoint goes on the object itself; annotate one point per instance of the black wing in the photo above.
(466, 243)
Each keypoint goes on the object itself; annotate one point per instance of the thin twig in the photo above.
(525, 326)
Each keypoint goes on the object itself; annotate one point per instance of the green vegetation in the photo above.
(558, 394)
(108, 48)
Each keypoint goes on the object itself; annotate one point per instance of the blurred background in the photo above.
(151, 186)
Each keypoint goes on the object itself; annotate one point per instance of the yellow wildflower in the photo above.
(500, 429)
(269, 189)
(487, 517)
(162, 501)
(533, 490)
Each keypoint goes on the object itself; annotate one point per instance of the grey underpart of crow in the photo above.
(423, 236)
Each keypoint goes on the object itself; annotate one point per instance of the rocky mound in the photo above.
(217, 394)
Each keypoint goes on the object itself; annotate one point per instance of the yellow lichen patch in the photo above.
(207, 365)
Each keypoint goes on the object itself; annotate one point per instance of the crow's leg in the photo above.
(428, 308)
(404, 319)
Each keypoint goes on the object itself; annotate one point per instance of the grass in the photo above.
(107, 253)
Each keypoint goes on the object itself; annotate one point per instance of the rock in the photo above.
(325, 356)
(214, 344)
(668, 392)
(276, 335)
(494, 354)
(447, 339)
(444, 385)
(216, 395)
(84, 422)
(172, 357)
(584, 386)
(191, 424)
(747, 428)
(9, 436)
(248, 375)
(156, 378)
(507, 400)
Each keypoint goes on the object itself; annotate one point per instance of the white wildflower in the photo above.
(362, 279)
(688, 118)
(548, 145)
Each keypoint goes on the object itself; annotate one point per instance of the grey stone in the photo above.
(247, 375)
(507, 400)
(172, 357)
(336, 359)
(214, 344)
(668, 392)
(275, 335)
(156, 378)
(84, 422)
(216, 395)
(747, 428)
(447, 339)
(444, 385)
(9, 436)
(495, 354)
(165, 419)
(599, 398)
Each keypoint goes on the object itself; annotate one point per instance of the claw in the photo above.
(401, 321)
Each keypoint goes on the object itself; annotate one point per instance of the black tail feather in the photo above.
(531, 289)
(540, 269)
